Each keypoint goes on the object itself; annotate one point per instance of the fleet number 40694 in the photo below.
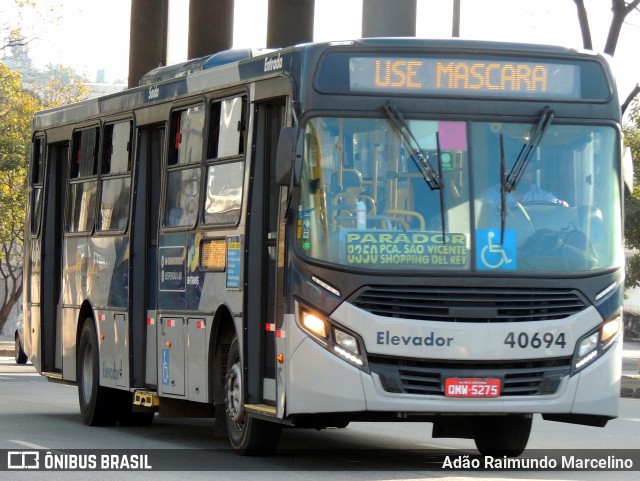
(525, 340)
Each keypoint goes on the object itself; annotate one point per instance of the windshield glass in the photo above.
(366, 204)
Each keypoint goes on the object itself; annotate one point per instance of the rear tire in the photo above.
(21, 357)
(98, 404)
(500, 436)
(248, 435)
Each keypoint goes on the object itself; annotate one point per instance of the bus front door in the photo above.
(265, 249)
(46, 326)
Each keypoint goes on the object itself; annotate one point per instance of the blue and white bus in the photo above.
(370, 230)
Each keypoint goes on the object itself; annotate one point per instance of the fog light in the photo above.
(347, 341)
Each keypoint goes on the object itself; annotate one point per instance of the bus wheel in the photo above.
(98, 404)
(499, 436)
(248, 435)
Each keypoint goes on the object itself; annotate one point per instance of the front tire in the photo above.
(98, 404)
(500, 436)
(248, 435)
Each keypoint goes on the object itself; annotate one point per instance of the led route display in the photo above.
(488, 76)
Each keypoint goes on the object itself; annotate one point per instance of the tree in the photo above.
(631, 132)
(16, 109)
(632, 203)
(63, 88)
(620, 9)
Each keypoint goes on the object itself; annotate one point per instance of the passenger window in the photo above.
(187, 128)
(116, 155)
(85, 152)
(183, 194)
(116, 176)
(183, 179)
(81, 215)
(227, 138)
(224, 193)
(37, 175)
(81, 198)
(228, 128)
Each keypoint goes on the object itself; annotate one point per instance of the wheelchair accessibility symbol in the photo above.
(491, 255)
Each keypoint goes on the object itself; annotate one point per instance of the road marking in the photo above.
(27, 445)
(632, 419)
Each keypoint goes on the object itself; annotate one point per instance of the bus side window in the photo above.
(37, 180)
(183, 193)
(187, 127)
(184, 167)
(224, 193)
(83, 184)
(225, 159)
(116, 176)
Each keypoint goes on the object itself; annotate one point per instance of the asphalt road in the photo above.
(42, 416)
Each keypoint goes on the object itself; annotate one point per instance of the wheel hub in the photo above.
(235, 410)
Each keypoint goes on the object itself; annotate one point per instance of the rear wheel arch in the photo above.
(221, 337)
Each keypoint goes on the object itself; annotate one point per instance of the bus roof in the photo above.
(233, 67)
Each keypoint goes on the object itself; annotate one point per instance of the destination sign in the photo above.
(449, 75)
(464, 75)
(393, 249)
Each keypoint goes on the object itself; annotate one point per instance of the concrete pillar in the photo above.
(210, 27)
(389, 18)
(289, 22)
(455, 27)
(148, 37)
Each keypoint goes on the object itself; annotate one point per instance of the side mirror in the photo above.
(285, 154)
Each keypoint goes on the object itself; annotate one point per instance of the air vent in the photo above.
(518, 378)
(464, 304)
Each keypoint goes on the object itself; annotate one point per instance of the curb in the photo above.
(630, 386)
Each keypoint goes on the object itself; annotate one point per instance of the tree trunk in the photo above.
(629, 99)
(620, 11)
(583, 19)
(8, 306)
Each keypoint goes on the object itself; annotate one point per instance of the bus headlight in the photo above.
(314, 324)
(595, 343)
(588, 344)
(336, 339)
(347, 341)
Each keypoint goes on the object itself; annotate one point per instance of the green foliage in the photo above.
(16, 110)
(17, 107)
(64, 88)
(632, 203)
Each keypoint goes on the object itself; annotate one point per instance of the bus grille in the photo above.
(469, 304)
(518, 378)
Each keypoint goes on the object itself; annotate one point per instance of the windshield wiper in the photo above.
(431, 177)
(509, 182)
(503, 190)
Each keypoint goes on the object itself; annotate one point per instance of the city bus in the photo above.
(371, 230)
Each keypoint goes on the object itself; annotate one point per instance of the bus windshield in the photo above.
(365, 204)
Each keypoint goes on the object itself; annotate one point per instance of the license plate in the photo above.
(472, 387)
